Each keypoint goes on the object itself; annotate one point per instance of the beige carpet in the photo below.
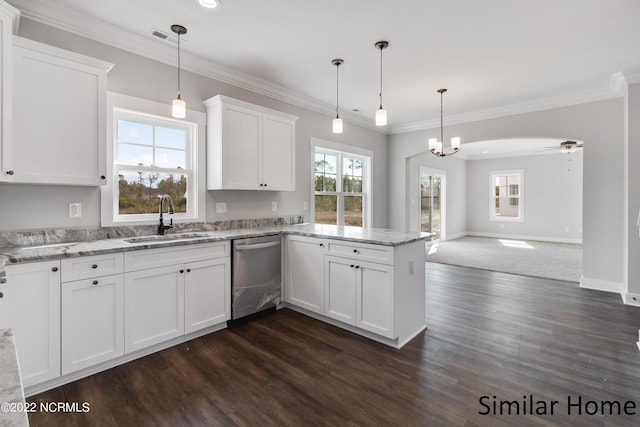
(559, 261)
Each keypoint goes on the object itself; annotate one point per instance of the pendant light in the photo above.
(179, 107)
(435, 146)
(337, 122)
(381, 113)
(209, 4)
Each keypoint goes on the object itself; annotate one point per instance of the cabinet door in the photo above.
(241, 129)
(92, 321)
(207, 293)
(50, 144)
(6, 17)
(340, 289)
(374, 298)
(305, 270)
(34, 297)
(153, 306)
(5, 307)
(278, 154)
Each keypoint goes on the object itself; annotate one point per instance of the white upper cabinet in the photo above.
(59, 117)
(249, 147)
(8, 20)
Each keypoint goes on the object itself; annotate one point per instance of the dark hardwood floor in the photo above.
(490, 334)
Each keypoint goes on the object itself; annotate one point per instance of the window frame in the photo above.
(139, 110)
(492, 195)
(341, 151)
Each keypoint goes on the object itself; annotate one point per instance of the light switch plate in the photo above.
(221, 207)
(75, 210)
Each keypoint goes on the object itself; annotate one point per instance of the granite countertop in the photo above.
(51, 250)
(11, 394)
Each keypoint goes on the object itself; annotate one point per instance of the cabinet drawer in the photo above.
(377, 253)
(153, 258)
(91, 266)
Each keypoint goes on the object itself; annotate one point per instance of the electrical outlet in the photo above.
(75, 210)
(305, 205)
(566, 229)
(221, 207)
(274, 206)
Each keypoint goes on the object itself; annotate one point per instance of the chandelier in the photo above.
(436, 146)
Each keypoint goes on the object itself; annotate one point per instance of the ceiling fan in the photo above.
(565, 147)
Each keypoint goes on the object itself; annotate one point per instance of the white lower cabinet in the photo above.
(174, 291)
(33, 293)
(92, 321)
(207, 293)
(153, 306)
(361, 294)
(305, 272)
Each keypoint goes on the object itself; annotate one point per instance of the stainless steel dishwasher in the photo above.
(256, 281)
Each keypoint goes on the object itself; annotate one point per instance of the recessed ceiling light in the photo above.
(210, 4)
(485, 152)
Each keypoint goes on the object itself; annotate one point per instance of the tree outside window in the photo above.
(340, 188)
(152, 158)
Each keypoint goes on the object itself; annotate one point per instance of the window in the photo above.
(341, 186)
(152, 155)
(506, 195)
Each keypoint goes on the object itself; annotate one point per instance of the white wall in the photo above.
(552, 197)
(26, 207)
(632, 280)
(599, 124)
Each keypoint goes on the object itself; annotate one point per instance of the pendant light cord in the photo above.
(337, 86)
(441, 130)
(381, 77)
(178, 64)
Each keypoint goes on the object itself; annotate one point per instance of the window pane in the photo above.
(139, 191)
(352, 175)
(138, 133)
(170, 158)
(326, 209)
(353, 210)
(325, 168)
(135, 155)
(171, 138)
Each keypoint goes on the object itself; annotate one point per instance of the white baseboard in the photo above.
(631, 299)
(601, 285)
(456, 236)
(525, 237)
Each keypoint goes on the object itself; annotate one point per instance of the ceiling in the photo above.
(512, 147)
(495, 57)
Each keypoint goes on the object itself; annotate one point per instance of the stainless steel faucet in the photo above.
(162, 229)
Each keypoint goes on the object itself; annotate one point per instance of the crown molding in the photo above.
(513, 109)
(632, 77)
(12, 12)
(51, 14)
(619, 83)
(85, 26)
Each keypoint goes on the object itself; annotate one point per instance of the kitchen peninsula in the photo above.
(368, 281)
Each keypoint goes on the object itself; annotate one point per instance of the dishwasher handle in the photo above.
(253, 246)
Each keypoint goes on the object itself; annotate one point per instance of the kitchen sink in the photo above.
(167, 237)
